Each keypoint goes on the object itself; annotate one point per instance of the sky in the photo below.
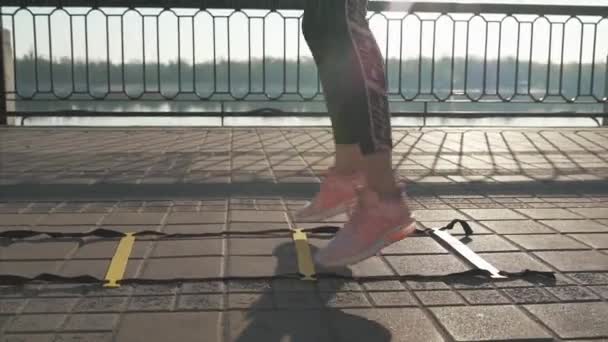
(399, 42)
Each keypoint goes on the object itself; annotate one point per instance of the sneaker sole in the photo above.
(394, 235)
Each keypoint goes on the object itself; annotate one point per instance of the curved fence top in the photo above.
(407, 6)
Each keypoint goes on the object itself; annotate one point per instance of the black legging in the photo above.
(352, 72)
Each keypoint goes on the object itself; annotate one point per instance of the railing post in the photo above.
(7, 78)
(605, 119)
(2, 80)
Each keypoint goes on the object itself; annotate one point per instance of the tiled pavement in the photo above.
(537, 198)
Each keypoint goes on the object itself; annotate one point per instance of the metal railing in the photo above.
(218, 53)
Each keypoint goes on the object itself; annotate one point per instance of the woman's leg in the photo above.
(353, 77)
(354, 82)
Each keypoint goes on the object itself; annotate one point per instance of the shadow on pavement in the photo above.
(303, 315)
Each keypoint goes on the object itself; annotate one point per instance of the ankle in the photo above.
(391, 196)
(345, 171)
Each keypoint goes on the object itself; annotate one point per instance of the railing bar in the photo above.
(485, 61)
(530, 59)
(122, 53)
(561, 65)
(549, 62)
(50, 55)
(143, 51)
(433, 57)
(452, 78)
(518, 42)
(37, 89)
(580, 60)
(401, 55)
(593, 61)
(72, 55)
(86, 54)
(284, 54)
(179, 54)
(498, 62)
(158, 53)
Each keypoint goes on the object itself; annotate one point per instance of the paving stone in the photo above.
(251, 301)
(101, 304)
(309, 325)
(391, 285)
(200, 302)
(202, 267)
(336, 285)
(203, 287)
(297, 300)
(344, 299)
(488, 243)
(590, 278)
(44, 250)
(293, 285)
(151, 303)
(10, 306)
(478, 229)
(599, 241)
(576, 226)
(174, 326)
(572, 293)
(91, 322)
(601, 289)
(105, 249)
(28, 268)
(435, 298)
(49, 305)
(70, 219)
(189, 247)
(193, 228)
(415, 245)
(572, 261)
(516, 227)
(249, 286)
(513, 262)
(260, 265)
(155, 289)
(257, 216)
(81, 337)
(493, 214)
(438, 215)
(19, 219)
(197, 217)
(426, 264)
(35, 322)
(27, 338)
(96, 268)
(133, 218)
(488, 323)
(258, 246)
(370, 267)
(259, 226)
(382, 325)
(399, 299)
(529, 295)
(3, 320)
(594, 213)
(546, 242)
(573, 320)
(483, 297)
(549, 213)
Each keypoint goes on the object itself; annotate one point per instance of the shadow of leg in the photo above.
(299, 314)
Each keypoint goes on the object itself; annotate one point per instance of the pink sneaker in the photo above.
(336, 196)
(374, 224)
